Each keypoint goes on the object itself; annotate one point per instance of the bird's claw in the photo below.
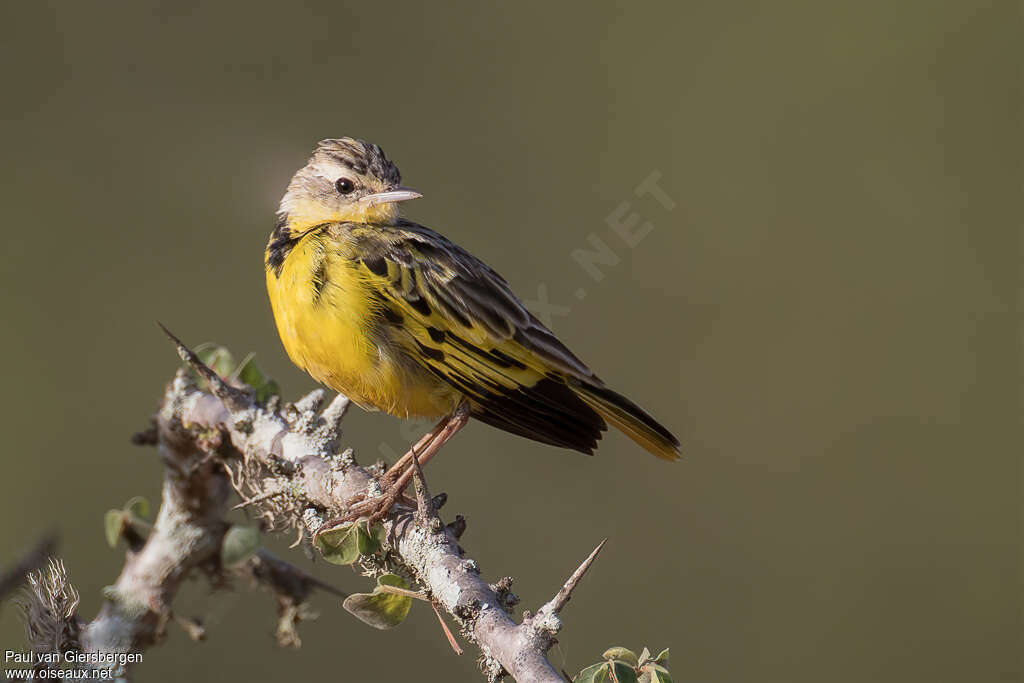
(373, 509)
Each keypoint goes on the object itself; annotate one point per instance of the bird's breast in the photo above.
(329, 326)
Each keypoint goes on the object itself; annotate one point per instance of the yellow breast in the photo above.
(326, 318)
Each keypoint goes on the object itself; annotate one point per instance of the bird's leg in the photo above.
(403, 462)
(431, 443)
(456, 421)
(392, 473)
(452, 424)
(387, 479)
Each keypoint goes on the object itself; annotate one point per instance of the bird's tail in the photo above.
(630, 419)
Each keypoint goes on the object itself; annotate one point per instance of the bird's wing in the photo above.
(458, 318)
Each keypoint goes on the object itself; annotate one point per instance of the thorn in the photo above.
(192, 627)
(563, 595)
(311, 402)
(504, 585)
(457, 526)
(326, 587)
(328, 427)
(404, 592)
(285, 570)
(233, 399)
(424, 504)
(298, 540)
(451, 638)
(336, 409)
(266, 495)
(148, 436)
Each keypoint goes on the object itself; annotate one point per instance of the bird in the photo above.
(400, 319)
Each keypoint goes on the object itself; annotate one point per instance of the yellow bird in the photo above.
(400, 319)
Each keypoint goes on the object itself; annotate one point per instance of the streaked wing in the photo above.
(459, 319)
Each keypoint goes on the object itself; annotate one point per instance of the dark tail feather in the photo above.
(549, 412)
(571, 416)
(629, 418)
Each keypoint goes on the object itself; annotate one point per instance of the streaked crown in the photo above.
(359, 156)
(342, 181)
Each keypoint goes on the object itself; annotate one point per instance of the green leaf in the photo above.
(595, 673)
(378, 609)
(248, 373)
(218, 358)
(344, 544)
(137, 506)
(339, 545)
(378, 533)
(621, 654)
(239, 543)
(113, 525)
(662, 657)
(655, 673)
(370, 538)
(270, 388)
(622, 672)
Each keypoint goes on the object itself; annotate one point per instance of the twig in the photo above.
(285, 577)
(14, 577)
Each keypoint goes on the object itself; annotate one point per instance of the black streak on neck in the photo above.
(281, 244)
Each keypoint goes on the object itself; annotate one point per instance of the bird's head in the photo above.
(346, 180)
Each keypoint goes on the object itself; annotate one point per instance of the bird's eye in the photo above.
(344, 185)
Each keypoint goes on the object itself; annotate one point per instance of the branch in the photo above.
(284, 462)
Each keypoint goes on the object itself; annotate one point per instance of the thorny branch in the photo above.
(285, 463)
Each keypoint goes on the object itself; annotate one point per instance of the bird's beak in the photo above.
(398, 194)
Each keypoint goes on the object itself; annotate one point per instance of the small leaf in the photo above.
(138, 507)
(269, 388)
(621, 672)
(339, 545)
(248, 373)
(662, 657)
(218, 358)
(113, 525)
(621, 654)
(370, 538)
(239, 543)
(378, 533)
(645, 656)
(595, 673)
(655, 673)
(378, 609)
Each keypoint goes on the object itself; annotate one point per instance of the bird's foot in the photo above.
(394, 482)
(372, 509)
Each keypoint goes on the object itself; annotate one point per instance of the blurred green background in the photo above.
(826, 317)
